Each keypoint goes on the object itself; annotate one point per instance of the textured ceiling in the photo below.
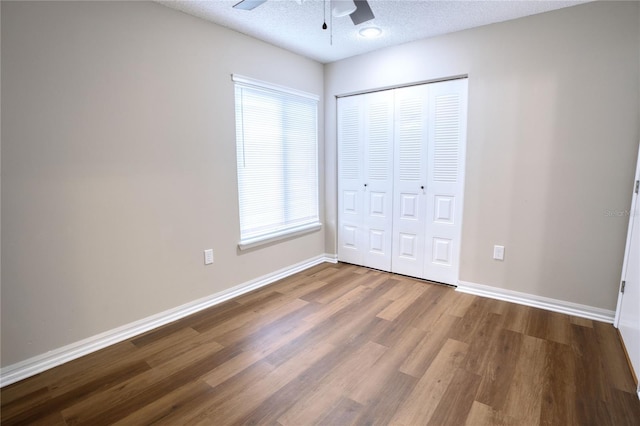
(296, 25)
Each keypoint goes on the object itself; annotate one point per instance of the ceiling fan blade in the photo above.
(249, 4)
(363, 12)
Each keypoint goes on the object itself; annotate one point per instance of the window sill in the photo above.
(280, 235)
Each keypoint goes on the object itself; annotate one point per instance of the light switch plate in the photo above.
(498, 252)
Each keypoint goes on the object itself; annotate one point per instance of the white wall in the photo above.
(118, 166)
(552, 138)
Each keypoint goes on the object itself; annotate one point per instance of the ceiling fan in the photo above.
(358, 10)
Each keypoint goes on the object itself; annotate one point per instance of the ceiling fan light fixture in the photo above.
(341, 8)
(370, 32)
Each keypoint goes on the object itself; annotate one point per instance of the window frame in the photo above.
(290, 231)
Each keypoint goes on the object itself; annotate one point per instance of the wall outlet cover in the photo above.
(208, 256)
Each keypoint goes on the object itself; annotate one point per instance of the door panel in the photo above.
(445, 179)
(442, 251)
(444, 209)
(378, 178)
(408, 247)
(409, 206)
(410, 179)
(351, 236)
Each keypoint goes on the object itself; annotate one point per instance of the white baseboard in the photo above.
(331, 258)
(541, 302)
(39, 363)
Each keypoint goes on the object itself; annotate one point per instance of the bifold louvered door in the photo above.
(365, 129)
(400, 179)
(410, 180)
(445, 179)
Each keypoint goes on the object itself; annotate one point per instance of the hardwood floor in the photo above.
(340, 345)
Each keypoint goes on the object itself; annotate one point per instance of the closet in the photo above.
(400, 179)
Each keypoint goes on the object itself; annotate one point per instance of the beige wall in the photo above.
(552, 141)
(118, 166)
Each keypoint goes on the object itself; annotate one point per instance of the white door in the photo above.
(378, 179)
(445, 179)
(365, 179)
(410, 180)
(400, 179)
(351, 231)
(628, 313)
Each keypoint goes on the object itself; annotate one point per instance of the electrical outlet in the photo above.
(208, 256)
(498, 252)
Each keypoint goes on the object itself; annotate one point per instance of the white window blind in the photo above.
(277, 148)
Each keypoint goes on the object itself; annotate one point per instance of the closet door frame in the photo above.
(429, 206)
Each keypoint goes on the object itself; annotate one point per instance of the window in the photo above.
(277, 155)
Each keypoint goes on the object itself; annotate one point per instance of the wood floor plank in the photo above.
(231, 367)
(221, 321)
(438, 303)
(337, 288)
(365, 390)
(457, 400)
(559, 392)
(344, 413)
(24, 390)
(500, 369)
(311, 407)
(463, 303)
(595, 391)
(85, 411)
(176, 350)
(483, 415)
(114, 359)
(225, 391)
(325, 273)
(253, 395)
(53, 419)
(549, 325)
(401, 303)
(428, 392)
(393, 331)
(241, 316)
(178, 374)
(482, 342)
(623, 408)
(517, 318)
(168, 404)
(253, 326)
(94, 386)
(339, 344)
(301, 288)
(421, 357)
(373, 279)
(523, 400)
(618, 374)
(24, 403)
(194, 356)
(337, 305)
(386, 402)
(583, 322)
(348, 324)
(471, 324)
